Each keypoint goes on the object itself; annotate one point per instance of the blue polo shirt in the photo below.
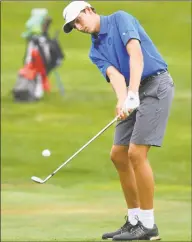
(109, 46)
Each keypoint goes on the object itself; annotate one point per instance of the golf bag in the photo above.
(42, 55)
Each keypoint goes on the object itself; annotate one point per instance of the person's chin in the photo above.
(86, 32)
(91, 32)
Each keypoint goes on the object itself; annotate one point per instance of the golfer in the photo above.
(130, 62)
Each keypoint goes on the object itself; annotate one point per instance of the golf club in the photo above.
(39, 180)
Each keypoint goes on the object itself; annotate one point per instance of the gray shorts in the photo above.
(147, 124)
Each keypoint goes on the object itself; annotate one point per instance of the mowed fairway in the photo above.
(84, 199)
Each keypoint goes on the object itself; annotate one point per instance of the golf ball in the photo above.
(46, 153)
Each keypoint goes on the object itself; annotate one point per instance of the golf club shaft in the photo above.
(83, 147)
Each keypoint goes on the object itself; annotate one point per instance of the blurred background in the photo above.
(84, 199)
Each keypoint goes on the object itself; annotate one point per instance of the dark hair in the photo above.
(91, 9)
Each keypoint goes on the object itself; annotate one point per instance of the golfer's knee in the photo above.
(137, 154)
(119, 158)
(114, 155)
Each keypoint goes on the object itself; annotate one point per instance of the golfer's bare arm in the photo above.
(118, 83)
(136, 64)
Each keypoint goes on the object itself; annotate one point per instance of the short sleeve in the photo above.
(102, 64)
(127, 26)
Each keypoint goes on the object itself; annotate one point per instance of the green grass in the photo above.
(84, 199)
(83, 211)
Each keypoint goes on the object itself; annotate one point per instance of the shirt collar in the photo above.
(103, 29)
(103, 25)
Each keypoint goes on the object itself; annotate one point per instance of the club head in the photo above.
(37, 179)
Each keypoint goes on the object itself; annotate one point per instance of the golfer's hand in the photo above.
(131, 102)
(119, 111)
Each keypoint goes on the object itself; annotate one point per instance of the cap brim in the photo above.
(67, 28)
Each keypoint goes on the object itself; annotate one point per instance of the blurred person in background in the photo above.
(130, 62)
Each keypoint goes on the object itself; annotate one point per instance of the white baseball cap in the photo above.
(71, 12)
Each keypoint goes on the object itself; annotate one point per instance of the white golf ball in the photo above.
(46, 153)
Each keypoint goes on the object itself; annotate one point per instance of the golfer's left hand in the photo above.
(131, 102)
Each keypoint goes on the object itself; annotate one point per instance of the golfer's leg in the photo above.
(143, 174)
(119, 156)
(149, 130)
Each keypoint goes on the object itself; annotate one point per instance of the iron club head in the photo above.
(37, 179)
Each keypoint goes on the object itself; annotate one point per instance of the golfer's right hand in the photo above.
(119, 111)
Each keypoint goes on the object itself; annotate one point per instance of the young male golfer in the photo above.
(127, 57)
